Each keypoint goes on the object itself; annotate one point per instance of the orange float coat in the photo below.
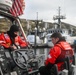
(59, 52)
(6, 41)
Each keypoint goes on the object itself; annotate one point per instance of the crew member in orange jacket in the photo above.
(11, 39)
(57, 54)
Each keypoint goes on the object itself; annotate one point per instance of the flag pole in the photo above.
(23, 33)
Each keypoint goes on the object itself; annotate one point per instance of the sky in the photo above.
(46, 9)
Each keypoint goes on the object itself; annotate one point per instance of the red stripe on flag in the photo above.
(20, 9)
(17, 8)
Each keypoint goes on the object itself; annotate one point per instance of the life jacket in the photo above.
(6, 41)
(66, 51)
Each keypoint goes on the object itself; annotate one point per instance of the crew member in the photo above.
(11, 39)
(57, 54)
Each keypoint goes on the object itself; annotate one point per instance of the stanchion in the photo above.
(35, 41)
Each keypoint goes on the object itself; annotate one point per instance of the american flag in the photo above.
(17, 7)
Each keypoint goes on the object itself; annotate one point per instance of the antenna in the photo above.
(59, 17)
(37, 24)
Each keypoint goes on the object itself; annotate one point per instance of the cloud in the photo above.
(48, 8)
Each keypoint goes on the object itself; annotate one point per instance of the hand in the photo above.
(29, 46)
(13, 47)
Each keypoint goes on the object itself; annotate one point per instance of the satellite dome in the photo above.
(5, 4)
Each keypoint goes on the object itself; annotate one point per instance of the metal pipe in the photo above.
(23, 33)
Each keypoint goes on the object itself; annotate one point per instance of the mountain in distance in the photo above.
(4, 23)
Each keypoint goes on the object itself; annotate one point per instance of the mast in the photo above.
(59, 17)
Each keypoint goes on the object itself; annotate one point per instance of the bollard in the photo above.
(64, 72)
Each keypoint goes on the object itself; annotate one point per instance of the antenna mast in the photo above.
(59, 17)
